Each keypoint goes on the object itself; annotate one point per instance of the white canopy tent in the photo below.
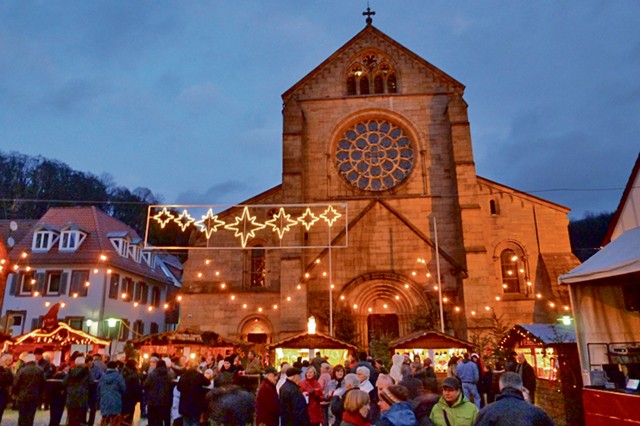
(597, 297)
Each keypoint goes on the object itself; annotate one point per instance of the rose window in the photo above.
(374, 155)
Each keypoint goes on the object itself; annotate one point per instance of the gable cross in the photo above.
(369, 13)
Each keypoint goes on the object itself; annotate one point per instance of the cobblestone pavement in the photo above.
(10, 418)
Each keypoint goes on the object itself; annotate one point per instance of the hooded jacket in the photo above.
(111, 387)
(400, 414)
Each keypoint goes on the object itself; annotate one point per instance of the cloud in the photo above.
(229, 191)
(199, 96)
(74, 94)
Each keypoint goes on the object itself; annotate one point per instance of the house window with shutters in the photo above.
(114, 286)
(56, 283)
(26, 283)
(156, 295)
(75, 322)
(153, 329)
(124, 330)
(79, 284)
(126, 289)
(138, 328)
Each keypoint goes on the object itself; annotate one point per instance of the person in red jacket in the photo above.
(267, 402)
(312, 390)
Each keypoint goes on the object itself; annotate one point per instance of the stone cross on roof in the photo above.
(369, 13)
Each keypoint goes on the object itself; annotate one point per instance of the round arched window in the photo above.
(375, 155)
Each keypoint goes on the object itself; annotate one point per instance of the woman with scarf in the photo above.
(313, 392)
(356, 409)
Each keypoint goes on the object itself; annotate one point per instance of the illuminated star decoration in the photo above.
(184, 220)
(209, 223)
(164, 217)
(308, 218)
(249, 226)
(281, 222)
(330, 215)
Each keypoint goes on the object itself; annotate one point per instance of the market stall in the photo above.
(305, 345)
(552, 352)
(191, 343)
(439, 347)
(61, 340)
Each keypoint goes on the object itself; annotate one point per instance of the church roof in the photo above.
(522, 194)
(372, 31)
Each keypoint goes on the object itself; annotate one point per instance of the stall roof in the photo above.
(187, 337)
(312, 341)
(541, 334)
(620, 257)
(429, 339)
(62, 335)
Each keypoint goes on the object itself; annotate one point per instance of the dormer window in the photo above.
(71, 240)
(149, 258)
(43, 240)
(120, 241)
(136, 252)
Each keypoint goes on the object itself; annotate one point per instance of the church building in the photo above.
(380, 130)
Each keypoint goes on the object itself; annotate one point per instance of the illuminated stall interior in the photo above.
(306, 344)
(439, 347)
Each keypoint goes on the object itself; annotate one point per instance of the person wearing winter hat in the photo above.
(396, 411)
(453, 408)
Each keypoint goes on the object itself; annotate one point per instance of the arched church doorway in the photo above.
(256, 330)
(386, 325)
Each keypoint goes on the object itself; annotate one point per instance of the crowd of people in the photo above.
(210, 391)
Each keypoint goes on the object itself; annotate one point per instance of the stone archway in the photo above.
(256, 329)
(384, 301)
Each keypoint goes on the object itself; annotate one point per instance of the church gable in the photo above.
(372, 63)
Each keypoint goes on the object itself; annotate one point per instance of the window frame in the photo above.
(40, 244)
(73, 236)
(79, 287)
(47, 287)
(111, 295)
(22, 284)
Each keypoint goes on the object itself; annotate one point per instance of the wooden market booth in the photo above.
(439, 347)
(188, 342)
(62, 340)
(305, 345)
(552, 352)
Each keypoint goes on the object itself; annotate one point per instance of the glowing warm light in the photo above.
(355, 306)
(164, 217)
(406, 286)
(15, 267)
(566, 307)
(109, 271)
(103, 257)
(457, 309)
(445, 299)
(75, 295)
(435, 287)
(529, 283)
(150, 308)
(414, 273)
(288, 298)
(166, 306)
(124, 296)
(317, 261)
(192, 355)
(324, 274)
(145, 356)
(184, 220)
(299, 287)
(209, 224)
(33, 281)
(179, 298)
(539, 296)
(504, 286)
(233, 297)
(281, 223)
(245, 226)
(62, 305)
(509, 272)
(552, 305)
(244, 306)
(3, 261)
(428, 274)
(24, 255)
(397, 297)
(498, 298)
(330, 215)
(473, 313)
(36, 293)
(342, 297)
(223, 286)
(514, 258)
(199, 274)
(306, 275)
(89, 322)
(370, 310)
(275, 306)
(217, 273)
(47, 304)
(385, 306)
(28, 268)
(259, 309)
(308, 219)
(207, 261)
(111, 322)
(521, 270)
(311, 325)
(87, 283)
(135, 304)
(487, 308)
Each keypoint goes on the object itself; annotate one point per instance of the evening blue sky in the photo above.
(183, 97)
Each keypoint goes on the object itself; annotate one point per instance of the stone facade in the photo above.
(409, 169)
